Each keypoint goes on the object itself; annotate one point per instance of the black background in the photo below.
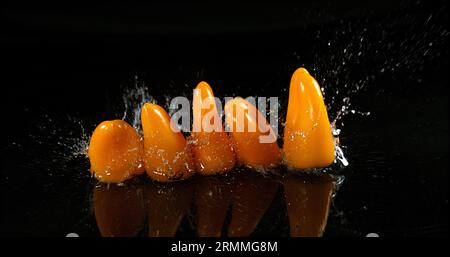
(76, 60)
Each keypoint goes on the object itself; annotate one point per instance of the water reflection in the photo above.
(227, 205)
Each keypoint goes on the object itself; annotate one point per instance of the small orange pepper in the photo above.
(308, 142)
(115, 151)
(211, 145)
(167, 155)
(254, 140)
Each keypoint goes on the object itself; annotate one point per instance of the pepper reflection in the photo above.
(252, 196)
(226, 205)
(119, 210)
(308, 202)
(167, 204)
(212, 202)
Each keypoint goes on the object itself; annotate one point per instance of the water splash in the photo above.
(79, 146)
(343, 111)
(340, 158)
(57, 145)
(133, 99)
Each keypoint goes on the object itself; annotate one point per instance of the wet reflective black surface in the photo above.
(241, 203)
(390, 59)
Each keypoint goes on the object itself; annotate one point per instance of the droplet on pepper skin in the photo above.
(253, 138)
(115, 151)
(167, 155)
(308, 142)
(211, 145)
